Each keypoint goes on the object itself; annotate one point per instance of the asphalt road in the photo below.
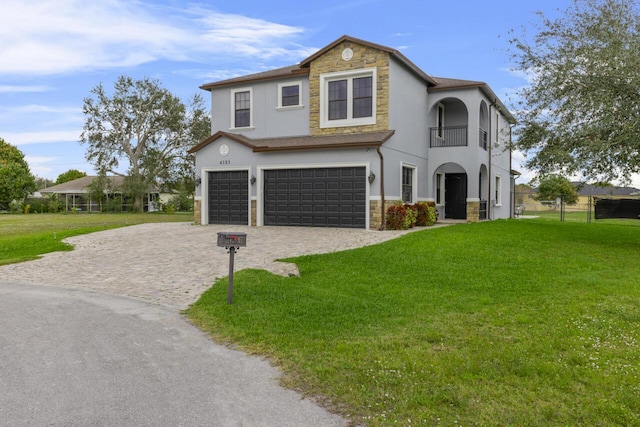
(75, 357)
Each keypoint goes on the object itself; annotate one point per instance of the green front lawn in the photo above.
(518, 322)
(26, 237)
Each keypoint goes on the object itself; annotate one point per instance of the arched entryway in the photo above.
(451, 191)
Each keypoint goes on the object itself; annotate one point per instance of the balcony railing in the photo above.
(483, 139)
(448, 136)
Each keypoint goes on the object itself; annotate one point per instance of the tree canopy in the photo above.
(147, 128)
(70, 175)
(580, 113)
(16, 180)
(553, 186)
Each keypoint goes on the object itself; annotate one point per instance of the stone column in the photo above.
(197, 211)
(473, 210)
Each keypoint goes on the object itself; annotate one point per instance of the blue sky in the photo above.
(55, 51)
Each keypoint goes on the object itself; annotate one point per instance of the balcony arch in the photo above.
(484, 125)
(451, 117)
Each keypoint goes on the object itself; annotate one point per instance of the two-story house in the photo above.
(348, 131)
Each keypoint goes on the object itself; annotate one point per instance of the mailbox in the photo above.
(228, 239)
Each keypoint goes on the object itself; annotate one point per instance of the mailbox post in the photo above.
(231, 242)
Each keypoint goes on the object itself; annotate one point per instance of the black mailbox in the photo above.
(231, 241)
(227, 239)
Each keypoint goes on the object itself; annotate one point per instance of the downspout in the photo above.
(489, 203)
(513, 192)
(383, 222)
(489, 172)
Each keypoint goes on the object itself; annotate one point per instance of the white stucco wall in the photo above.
(268, 120)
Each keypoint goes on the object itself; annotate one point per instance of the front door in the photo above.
(455, 195)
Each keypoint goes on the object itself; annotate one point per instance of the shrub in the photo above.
(410, 217)
(36, 205)
(425, 213)
(400, 216)
(54, 204)
(16, 206)
(182, 202)
(395, 217)
(422, 212)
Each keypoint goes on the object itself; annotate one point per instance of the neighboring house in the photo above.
(352, 129)
(586, 190)
(76, 194)
(525, 197)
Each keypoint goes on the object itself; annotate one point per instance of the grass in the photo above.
(26, 237)
(530, 322)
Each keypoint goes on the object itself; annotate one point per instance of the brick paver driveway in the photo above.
(174, 263)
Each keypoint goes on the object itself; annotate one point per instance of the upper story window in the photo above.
(348, 98)
(289, 95)
(241, 108)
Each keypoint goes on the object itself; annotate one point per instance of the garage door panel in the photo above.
(228, 197)
(321, 197)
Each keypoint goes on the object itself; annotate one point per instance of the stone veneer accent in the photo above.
(331, 61)
(197, 211)
(473, 211)
(375, 212)
(254, 213)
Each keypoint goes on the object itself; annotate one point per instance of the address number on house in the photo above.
(225, 162)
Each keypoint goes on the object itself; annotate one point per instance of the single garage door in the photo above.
(320, 197)
(229, 197)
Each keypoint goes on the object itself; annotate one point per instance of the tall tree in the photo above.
(145, 126)
(554, 186)
(580, 114)
(70, 175)
(16, 180)
(43, 182)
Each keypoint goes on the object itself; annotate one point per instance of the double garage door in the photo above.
(318, 197)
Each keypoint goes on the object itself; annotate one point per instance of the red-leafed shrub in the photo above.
(400, 216)
(395, 217)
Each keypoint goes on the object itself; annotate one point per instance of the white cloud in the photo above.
(42, 137)
(42, 37)
(36, 109)
(22, 89)
(517, 161)
(39, 164)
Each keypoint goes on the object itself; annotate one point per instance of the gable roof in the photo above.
(81, 185)
(393, 52)
(303, 67)
(278, 73)
(292, 143)
(598, 190)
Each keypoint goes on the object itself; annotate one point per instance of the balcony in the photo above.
(448, 136)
